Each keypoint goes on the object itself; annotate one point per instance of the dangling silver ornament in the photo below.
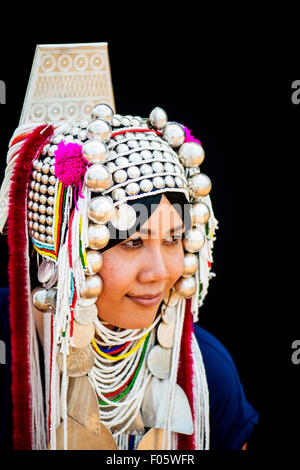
(98, 236)
(79, 361)
(200, 213)
(93, 287)
(94, 261)
(199, 185)
(191, 154)
(191, 263)
(165, 335)
(158, 118)
(171, 299)
(174, 134)
(44, 300)
(159, 362)
(169, 315)
(99, 129)
(86, 315)
(46, 268)
(102, 111)
(101, 209)
(95, 151)
(98, 178)
(124, 217)
(186, 287)
(193, 240)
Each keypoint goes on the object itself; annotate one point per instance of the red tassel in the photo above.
(185, 372)
(18, 271)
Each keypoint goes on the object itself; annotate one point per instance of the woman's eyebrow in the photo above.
(148, 231)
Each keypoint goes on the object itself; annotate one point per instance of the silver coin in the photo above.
(83, 302)
(165, 335)
(159, 362)
(85, 315)
(46, 270)
(53, 280)
(79, 361)
(169, 315)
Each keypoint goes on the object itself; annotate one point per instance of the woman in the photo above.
(120, 216)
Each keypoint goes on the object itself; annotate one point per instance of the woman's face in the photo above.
(146, 264)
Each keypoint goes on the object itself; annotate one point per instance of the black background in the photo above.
(242, 112)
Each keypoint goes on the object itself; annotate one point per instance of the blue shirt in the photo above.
(232, 418)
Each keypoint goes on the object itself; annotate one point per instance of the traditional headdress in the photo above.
(70, 188)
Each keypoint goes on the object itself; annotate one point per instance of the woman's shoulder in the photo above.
(232, 417)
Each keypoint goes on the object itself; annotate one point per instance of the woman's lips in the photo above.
(146, 302)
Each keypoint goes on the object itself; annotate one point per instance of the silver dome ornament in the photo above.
(169, 180)
(191, 264)
(44, 300)
(165, 334)
(186, 287)
(86, 302)
(97, 178)
(94, 262)
(99, 129)
(146, 185)
(200, 213)
(95, 151)
(158, 118)
(158, 182)
(101, 209)
(159, 361)
(169, 315)
(124, 218)
(102, 111)
(118, 194)
(133, 172)
(85, 315)
(193, 240)
(132, 189)
(120, 176)
(174, 134)
(93, 286)
(171, 298)
(191, 154)
(98, 236)
(199, 185)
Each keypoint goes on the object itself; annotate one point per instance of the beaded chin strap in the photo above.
(81, 181)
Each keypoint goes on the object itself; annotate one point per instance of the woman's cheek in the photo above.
(177, 265)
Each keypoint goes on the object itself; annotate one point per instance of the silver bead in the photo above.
(121, 161)
(191, 154)
(158, 182)
(47, 160)
(52, 170)
(35, 207)
(49, 210)
(133, 172)
(102, 111)
(199, 185)
(35, 162)
(98, 236)
(30, 194)
(49, 240)
(37, 186)
(120, 176)
(35, 226)
(101, 209)
(50, 200)
(52, 149)
(30, 224)
(39, 165)
(111, 166)
(169, 180)
(36, 197)
(146, 185)
(93, 286)
(200, 213)
(42, 208)
(45, 179)
(52, 179)
(124, 217)
(132, 144)
(125, 121)
(194, 240)
(36, 235)
(42, 228)
(49, 220)
(43, 189)
(122, 148)
(157, 167)
(158, 118)
(51, 190)
(94, 261)
(99, 129)
(57, 139)
(146, 154)
(35, 217)
(116, 122)
(30, 215)
(174, 134)
(190, 264)
(48, 229)
(42, 199)
(46, 168)
(186, 287)
(42, 219)
(135, 158)
(157, 154)
(118, 193)
(95, 151)
(32, 184)
(37, 176)
(179, 182)
(82, 135)
(42, 237)
(132, 189)
(146, 169)
(98, 178)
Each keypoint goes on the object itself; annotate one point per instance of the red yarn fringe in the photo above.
(185, 372)
(18, 271)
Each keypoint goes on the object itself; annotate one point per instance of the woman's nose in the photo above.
(154, 266)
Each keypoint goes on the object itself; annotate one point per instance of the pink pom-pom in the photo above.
(70, 164)
(189, 137)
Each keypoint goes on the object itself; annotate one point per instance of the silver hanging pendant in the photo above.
(159, 362)
(79, 361)
(45, 271)
(84, 315)
(154, 407)
(169, 315)
(165, 334)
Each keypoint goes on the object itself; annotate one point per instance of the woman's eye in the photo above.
(138, 242)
